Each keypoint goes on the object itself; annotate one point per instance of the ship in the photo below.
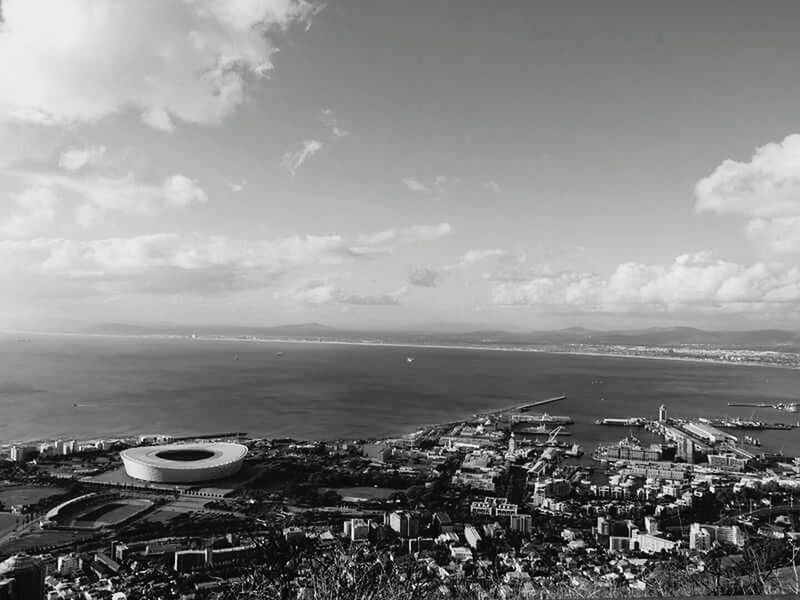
(629, 422)
(542, 418)
(541, 429)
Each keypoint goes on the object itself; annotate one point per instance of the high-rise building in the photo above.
(472, 536)
(358, 530)
(69, 564)
(662, 414)
(28, 576)
(7, 589)
(521, 523)
(699, 538)
(404, 523)
(21, 454)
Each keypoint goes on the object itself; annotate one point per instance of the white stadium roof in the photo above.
(184, 463)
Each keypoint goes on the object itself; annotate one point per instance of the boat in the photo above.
(543, 419)
(410, 359)
(629, 422)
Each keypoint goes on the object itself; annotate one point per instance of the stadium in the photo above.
(95, 511)
(184, 463)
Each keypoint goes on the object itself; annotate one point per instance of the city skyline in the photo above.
(374, 164)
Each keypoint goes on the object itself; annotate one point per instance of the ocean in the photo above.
(68, 386)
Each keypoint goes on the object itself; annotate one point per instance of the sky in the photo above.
(400, 164)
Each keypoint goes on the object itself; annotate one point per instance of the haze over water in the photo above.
(327, 391)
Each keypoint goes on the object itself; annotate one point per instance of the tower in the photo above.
(662, 414)
(512, 443)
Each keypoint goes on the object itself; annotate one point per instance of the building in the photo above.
(406, 524)
(649, 543)
(69, 564)
(685, 449)
(359, 529)
(493, 507)
(472, 536)
(6, 589)
(521, 523)
(727, 461)
(294, 535)
(22, 454)
(378, 452)
(699, 538)
(709, 434)
(187, 561)
(28, 576)
(184, 463)
(662, 414)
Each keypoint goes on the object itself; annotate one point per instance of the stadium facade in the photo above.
(184, 463)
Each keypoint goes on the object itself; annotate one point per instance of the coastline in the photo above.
(467, 347)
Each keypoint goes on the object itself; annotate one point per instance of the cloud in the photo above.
(236, 187)
(158, 119)
(100, 195)
(424, 277)
(329, 119)
(492, 186)
(695, 281)
(75, 159)
(775, 236)
(35, 211)
(472, 257)
(438, 185)
(77, 61)
(413, 233)
(318, 292)
(766, 190)
(416, 186)
(294, 160)
(768, 186)
(167, 263)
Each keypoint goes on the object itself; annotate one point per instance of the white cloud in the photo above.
(237, 187)
(766, 189)
(413, 233)
(318, 292)
(167, 263)
(35, 211)
(425, 277)
(416, 185)
(768, 186)
(438, 185)
(693, 281)
(329, 119)
(472, 257)
(775, 236)
(180, 192)
(158, 119)
(101, 195)
(294, 160)
(75, 159)
(82, 60)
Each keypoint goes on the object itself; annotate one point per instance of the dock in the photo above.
(522, 407)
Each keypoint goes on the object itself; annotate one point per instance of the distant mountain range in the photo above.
(761, 339)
